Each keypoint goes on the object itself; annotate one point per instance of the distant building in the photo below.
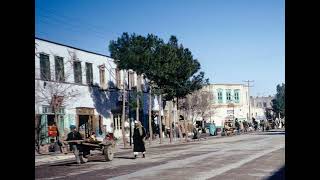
(229, 101)
(261, 106)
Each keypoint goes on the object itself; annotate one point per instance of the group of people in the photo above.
(179, 130)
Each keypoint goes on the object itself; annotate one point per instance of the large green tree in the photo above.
(178, 73)
(170, 67)
(278, 103)
(136, 52)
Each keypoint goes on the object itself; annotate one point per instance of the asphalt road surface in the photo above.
(245, 157)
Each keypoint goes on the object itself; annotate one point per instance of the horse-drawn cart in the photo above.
(82, 148)
(229, 128)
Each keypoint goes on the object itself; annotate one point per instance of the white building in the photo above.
(260, 106)
(229, 101)
(93, 77)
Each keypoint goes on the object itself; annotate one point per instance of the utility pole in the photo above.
(150, 123)
(248, 82)
(160, 120)
(130, 122)
(138, 102)
(123, 111)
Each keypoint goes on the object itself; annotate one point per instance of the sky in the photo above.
(234, 40)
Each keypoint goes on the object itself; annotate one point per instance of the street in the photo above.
(243, 157)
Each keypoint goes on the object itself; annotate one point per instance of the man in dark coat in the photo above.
(139, 134)
(74, 135)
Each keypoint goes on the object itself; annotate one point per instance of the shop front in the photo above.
(86, 121)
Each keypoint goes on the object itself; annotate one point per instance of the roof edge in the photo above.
(73, 47)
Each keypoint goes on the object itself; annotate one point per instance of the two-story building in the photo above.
(229, 101)
(88, 86)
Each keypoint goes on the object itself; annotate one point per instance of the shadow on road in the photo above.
(279, 175)
(272, 133)
(65, 164)
(124, 157)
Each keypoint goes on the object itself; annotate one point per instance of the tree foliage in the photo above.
(169, 66)
(278, 103)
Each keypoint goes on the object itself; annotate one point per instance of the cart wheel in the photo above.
(108, 153)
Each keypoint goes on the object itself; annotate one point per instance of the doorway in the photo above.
(84, 125)
(50, 119)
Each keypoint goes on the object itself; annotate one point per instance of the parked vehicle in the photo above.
(212, 129)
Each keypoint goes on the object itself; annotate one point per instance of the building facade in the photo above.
(88, 87)
(229, 101)
(261, 107)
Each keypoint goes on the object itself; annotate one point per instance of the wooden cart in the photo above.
(84, 147)
(230, 130)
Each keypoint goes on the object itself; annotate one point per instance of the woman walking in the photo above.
(139, 134)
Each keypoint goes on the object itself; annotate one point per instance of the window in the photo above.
(102, 76)
(230, 112)
(89, 75)
(59, 68)
(265, 104)
(45, 67)
(77, 72)
(49, 110)
(236, 95)
(219, 95)
(228, 94)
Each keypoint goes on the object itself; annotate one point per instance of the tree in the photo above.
(198, 104)
(278, 103)
(54, 91)
(170, 68)
(177, 72)
(136, 52)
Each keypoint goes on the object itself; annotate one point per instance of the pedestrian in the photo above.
(255, 124)
(183, 130)
(176, 129)
(74, 135)
(139, 135)
(262, 125)
(163, 128)
(237, 124)
(241, 127)
(154, 129)
(195, 132)
(245, 126)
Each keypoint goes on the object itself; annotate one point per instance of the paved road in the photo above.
(245, 157)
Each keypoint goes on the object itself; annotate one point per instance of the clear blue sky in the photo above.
(234, 40)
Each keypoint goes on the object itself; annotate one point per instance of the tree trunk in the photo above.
(123, 113)
(160, 121)
(150, 123)
(138, 90)
(170, 123)
(186, 117)
(137, 108)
